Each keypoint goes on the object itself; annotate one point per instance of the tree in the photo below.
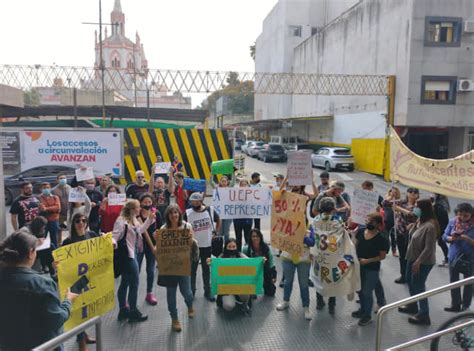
(32, 97)
(253, 51)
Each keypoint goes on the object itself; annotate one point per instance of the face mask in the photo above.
(62, 182)
(90, 186)
(278, 183)
(147, 207)
(231, 252)
(256, 181)
(370, 226)
(196, 208)
(417, 212)
(46, 192)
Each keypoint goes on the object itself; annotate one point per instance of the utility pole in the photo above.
(101, 64)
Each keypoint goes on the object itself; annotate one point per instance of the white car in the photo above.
(254, 148)
(245, 146)
(333, 158)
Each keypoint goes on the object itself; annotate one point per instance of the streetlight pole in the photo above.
(101, 64)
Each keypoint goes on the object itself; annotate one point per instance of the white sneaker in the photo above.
(307, 314)
(283, 306)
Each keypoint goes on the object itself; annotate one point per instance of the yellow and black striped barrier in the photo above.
(195, 148)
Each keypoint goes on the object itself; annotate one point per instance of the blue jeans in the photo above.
(303, 275)
(53, 229)
(185, 289)
(416, 285)
(369, 279)
(129, 282)
(225, 229)
(150, 267)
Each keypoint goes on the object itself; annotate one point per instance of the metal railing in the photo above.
(381, 312)
(59, 340)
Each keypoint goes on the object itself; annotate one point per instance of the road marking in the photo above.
(345, 177)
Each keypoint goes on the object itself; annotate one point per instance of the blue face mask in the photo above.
(417, 212)
(46, 192)
(62, 182)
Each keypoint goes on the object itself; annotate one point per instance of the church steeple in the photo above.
(117, 18)
(117, 6)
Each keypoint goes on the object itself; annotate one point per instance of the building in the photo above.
(427, 44)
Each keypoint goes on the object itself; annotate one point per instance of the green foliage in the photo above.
(32, 97)
(253, 51)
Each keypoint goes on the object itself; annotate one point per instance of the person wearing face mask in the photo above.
(96, 199)
(205, 223)
(109, 214)
(140, 186)
(61, 190)
(280, 181)
(372, 247)
(421, 257)
(25, 207)
(255, 183)
(224, 182)
(78, 207)
(50, 207)
(242, 226)
(104, 182)
(336, 189)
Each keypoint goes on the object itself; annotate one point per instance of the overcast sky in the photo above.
(177, 34)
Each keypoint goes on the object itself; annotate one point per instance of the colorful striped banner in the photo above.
(237, 276)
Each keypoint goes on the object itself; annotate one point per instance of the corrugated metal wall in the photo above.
(369, 155)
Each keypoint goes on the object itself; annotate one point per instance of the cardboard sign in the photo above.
(84, 174)
(247, 202)
(116, 199)
(198, 185)
(300, 169)
(94, 260)
(237, 276)
(363, 203)
(162, 167)
(288, 226)
(173, 251)
(335, 268)
(222, 167)
(76, 195)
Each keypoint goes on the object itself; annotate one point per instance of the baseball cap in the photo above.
(278, 175)
(324, 175)
(195, 197)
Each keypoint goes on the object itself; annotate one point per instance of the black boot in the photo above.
(136, 316)
(408, 309)
(123, 314)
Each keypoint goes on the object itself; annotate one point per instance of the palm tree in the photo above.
(253, 51)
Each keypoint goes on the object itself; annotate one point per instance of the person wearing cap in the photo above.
(279, 181)
(336, 189)
(255, 183)
(205, 223)
(324, 176)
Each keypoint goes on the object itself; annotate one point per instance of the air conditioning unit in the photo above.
(465, 85)
(469, 26)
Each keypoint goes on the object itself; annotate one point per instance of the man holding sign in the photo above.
(300, 169)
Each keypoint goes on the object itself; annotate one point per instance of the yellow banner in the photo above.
(451, 177)
(87, 267)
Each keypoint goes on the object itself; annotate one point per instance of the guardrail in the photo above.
(59, 340)
(381, 312)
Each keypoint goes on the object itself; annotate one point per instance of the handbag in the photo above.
(462, 265)
(121, 254)
(217, 242)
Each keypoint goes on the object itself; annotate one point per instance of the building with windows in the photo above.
(427, 44)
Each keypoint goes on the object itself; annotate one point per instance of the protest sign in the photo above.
(363, 203)
(198, 185)
(237, 276)
(84, 173)
(116, 199)
(288, 226)
(173, 251)
(335, 268)
(162, 167)
(232, 203)
(300, 169)
(87, 268)
(222, 167)
(46, 244)
(76, 195)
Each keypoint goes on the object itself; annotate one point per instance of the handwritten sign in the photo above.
(162, 167)
(85, 173)
(237, 276)
(191, 184)
(300, 169)
(93, 259)
(116, 199)
(363, 203)
(76, 195)
(173, 251)
(232, 203)
(46, 244)
(288, 226)
(222, 167)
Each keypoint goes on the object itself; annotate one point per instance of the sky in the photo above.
(177, 34)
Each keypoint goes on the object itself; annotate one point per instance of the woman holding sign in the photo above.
(109, 213)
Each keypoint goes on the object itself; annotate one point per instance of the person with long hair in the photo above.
(392, 196)
(32, 312)
(109, 214)
(441, 209)
(224, 182)
(128, 225)
(78, 207)
(421, 257)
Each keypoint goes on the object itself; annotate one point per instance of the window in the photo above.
(443, 31)
(295, 31)
(438, 90)
(116, 62)
(471, 141)
(314, 30)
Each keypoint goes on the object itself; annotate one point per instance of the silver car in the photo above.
(333, 158)
(254, 148)
(245, 146)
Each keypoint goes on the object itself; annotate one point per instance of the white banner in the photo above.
(232, 203)
(101, 150)
(115, 199)
(76, 195)
(363, 202)
(162, 167)
(335, 268)
(300, 169)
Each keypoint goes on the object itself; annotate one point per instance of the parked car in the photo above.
(36, 176)
(254, 148)
(333, 158)
(238, 144)
(272, 152)
(245, 146)
(297, 147)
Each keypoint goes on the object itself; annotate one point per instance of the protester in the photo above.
(146, 205)
(255, 183)
(372, 247)
(109, 214)
(50, 207)
(161, 194)
(37, 228)
(242, 225)
(205, 223)
(279, 181)
(441, 209)
(78, 207)
(421, 257)
(180, 194)
(128, 224)
(392, 196)
(61, 190)
(80, 232)
(32, 312)
(224, 182)
(257, 247)
(324, 177)
(25, 207)
(460, 235)
(403, 217)
(177, 164)
(96, 199)
(335, 191)
(140, 186)
(104, 182)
